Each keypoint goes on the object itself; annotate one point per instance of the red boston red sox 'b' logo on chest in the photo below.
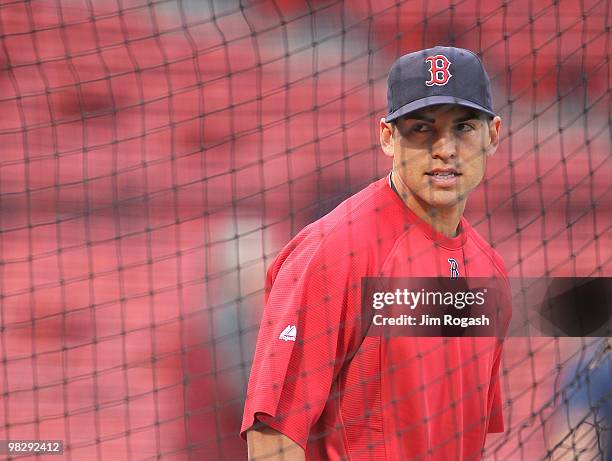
(438, 70)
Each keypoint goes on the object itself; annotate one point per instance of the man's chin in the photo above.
(443, 200)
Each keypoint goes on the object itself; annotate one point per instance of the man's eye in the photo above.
(464, 127)
(420, 128)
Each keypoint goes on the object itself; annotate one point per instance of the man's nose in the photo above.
(444, 147)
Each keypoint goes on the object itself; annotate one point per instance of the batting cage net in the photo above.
(156, 156)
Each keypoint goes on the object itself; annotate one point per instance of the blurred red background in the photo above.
(157, 155)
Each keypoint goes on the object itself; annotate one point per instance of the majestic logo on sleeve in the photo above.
(438, 70)
(289, 333)
(454, 268)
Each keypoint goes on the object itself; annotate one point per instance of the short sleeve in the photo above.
(311, 325)
(496, 419)
(496, 415)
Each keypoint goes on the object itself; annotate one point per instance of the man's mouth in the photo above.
(443, 172)
(443, 176)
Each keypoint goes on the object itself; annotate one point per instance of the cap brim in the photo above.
(432, 101)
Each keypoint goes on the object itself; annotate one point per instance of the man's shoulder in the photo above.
(348, 231)
(355, 216)
(488, 251)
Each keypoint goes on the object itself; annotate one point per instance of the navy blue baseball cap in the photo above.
(439, 75)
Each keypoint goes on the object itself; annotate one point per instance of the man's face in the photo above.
(440, 152)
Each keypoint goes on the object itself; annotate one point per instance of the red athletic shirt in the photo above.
(341, 395)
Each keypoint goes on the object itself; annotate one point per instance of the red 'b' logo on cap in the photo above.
(438, 70)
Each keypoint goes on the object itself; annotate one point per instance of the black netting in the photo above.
(156, 156)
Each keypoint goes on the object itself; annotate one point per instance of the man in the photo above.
(320, 386)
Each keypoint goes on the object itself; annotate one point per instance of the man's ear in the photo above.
(386, 137)
(494, 129)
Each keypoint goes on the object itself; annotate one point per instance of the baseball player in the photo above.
(320, 386)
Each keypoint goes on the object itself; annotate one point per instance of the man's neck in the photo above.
(444, 220)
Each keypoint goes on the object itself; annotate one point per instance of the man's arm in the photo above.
(267, 444)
